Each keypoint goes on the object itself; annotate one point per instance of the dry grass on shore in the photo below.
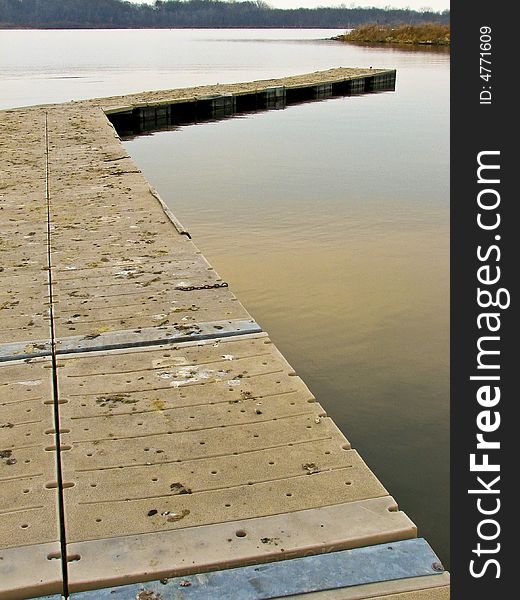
(432, 34)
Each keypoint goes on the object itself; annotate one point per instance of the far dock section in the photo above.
(154, 443)
(143, 115)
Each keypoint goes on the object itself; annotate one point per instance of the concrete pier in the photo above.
(154, 443)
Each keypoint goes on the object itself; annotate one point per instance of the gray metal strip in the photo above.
(130, 338)
(336, 570)
(24, 350)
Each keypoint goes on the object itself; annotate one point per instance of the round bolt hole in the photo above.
(288, 495)
(26, 491)
(93, 485)
(240, 533)
(98, 520)
(227, 505)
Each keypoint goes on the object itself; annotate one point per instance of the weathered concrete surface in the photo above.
(29, 523)
(209, 432)
(166, 96)
(118, 261)
(23, 232)
(157, 442)
(127, 559)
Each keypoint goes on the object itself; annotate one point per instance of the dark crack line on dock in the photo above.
(55, 389)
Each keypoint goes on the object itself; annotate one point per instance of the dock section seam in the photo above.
(117, 340)
(55, 387)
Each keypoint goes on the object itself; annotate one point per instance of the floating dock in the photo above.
(154, 443)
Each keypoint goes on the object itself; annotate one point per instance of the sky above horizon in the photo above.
(436, 5)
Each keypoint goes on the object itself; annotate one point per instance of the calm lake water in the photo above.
(330, 220)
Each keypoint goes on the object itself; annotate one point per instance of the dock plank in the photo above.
(139, 558)
(122, 251)
(207, 414)
(29, 520)
(24, 296)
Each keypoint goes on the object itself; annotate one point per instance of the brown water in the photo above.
(330, 220)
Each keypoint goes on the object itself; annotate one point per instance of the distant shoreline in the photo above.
(198, 14)
(135, 28)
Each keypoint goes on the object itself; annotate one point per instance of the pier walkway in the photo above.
(154, 443)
